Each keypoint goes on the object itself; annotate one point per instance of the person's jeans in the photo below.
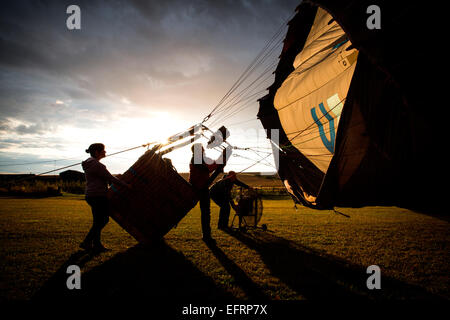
(224, 214)
(100, 214)
(205, 209)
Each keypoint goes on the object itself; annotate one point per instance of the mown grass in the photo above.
(305, 254)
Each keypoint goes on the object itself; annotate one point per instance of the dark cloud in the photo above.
(33, 34)
(128, 58)
(4, 127)
(31, 129)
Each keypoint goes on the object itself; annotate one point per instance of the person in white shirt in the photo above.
(97, 180)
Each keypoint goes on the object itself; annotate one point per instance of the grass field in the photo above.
(305, 254)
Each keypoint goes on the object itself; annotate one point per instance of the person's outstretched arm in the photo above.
(111, 179)
(241, 184)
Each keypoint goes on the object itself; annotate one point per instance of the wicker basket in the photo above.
(158, 200)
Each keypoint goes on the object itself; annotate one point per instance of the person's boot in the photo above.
(98, 248)
(209, 240)
(223, 227)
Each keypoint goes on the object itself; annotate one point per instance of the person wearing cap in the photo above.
(97, 180)
(221, 194)
(200, 168)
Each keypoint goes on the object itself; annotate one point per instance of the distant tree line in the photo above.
(70, 181)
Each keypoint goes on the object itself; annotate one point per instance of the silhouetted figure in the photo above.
(200, 168)
(97, 180)
(221, 194)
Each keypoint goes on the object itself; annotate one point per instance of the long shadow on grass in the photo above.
(56, 284)
(153, 273)
(317, 276)
(252, 290)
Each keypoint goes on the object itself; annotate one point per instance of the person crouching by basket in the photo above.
(97, 180)
(221, 194)
(200, 168)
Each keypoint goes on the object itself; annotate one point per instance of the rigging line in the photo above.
(307, 131)
(228, 104)
(236, 164)
(243, 157)
(316, 134)
(253, 164)
(332, 154)
(263, 152)
(310, 139)
(264, 163)
(309, 93)
(296, 144)
(264, 58)
(261, 62)
(268, 44)
(220, 119)
(230, 107)
(253, 149)
(262, 158)
(225, 106)
(292, 145)
(109, 155)
(255, 63)
(316, 130)
(240, 122)
(75, 164)
(238, 106)
(261, 147)
(36, 162)
(242, 107)
(246, 102)
(247, 69)
(336, 51)
(315, 122)
(258, 153)
(310, 132)
(242, 149)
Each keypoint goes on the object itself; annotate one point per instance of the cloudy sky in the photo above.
(137, 71)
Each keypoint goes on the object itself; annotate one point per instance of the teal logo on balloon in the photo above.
(335, 105)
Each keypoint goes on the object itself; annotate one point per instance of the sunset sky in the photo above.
(136, 72)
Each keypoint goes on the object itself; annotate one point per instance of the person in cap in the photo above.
(200, 168)
(97, 180)
(221, 194)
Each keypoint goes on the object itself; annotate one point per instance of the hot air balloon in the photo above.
(352, 107)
